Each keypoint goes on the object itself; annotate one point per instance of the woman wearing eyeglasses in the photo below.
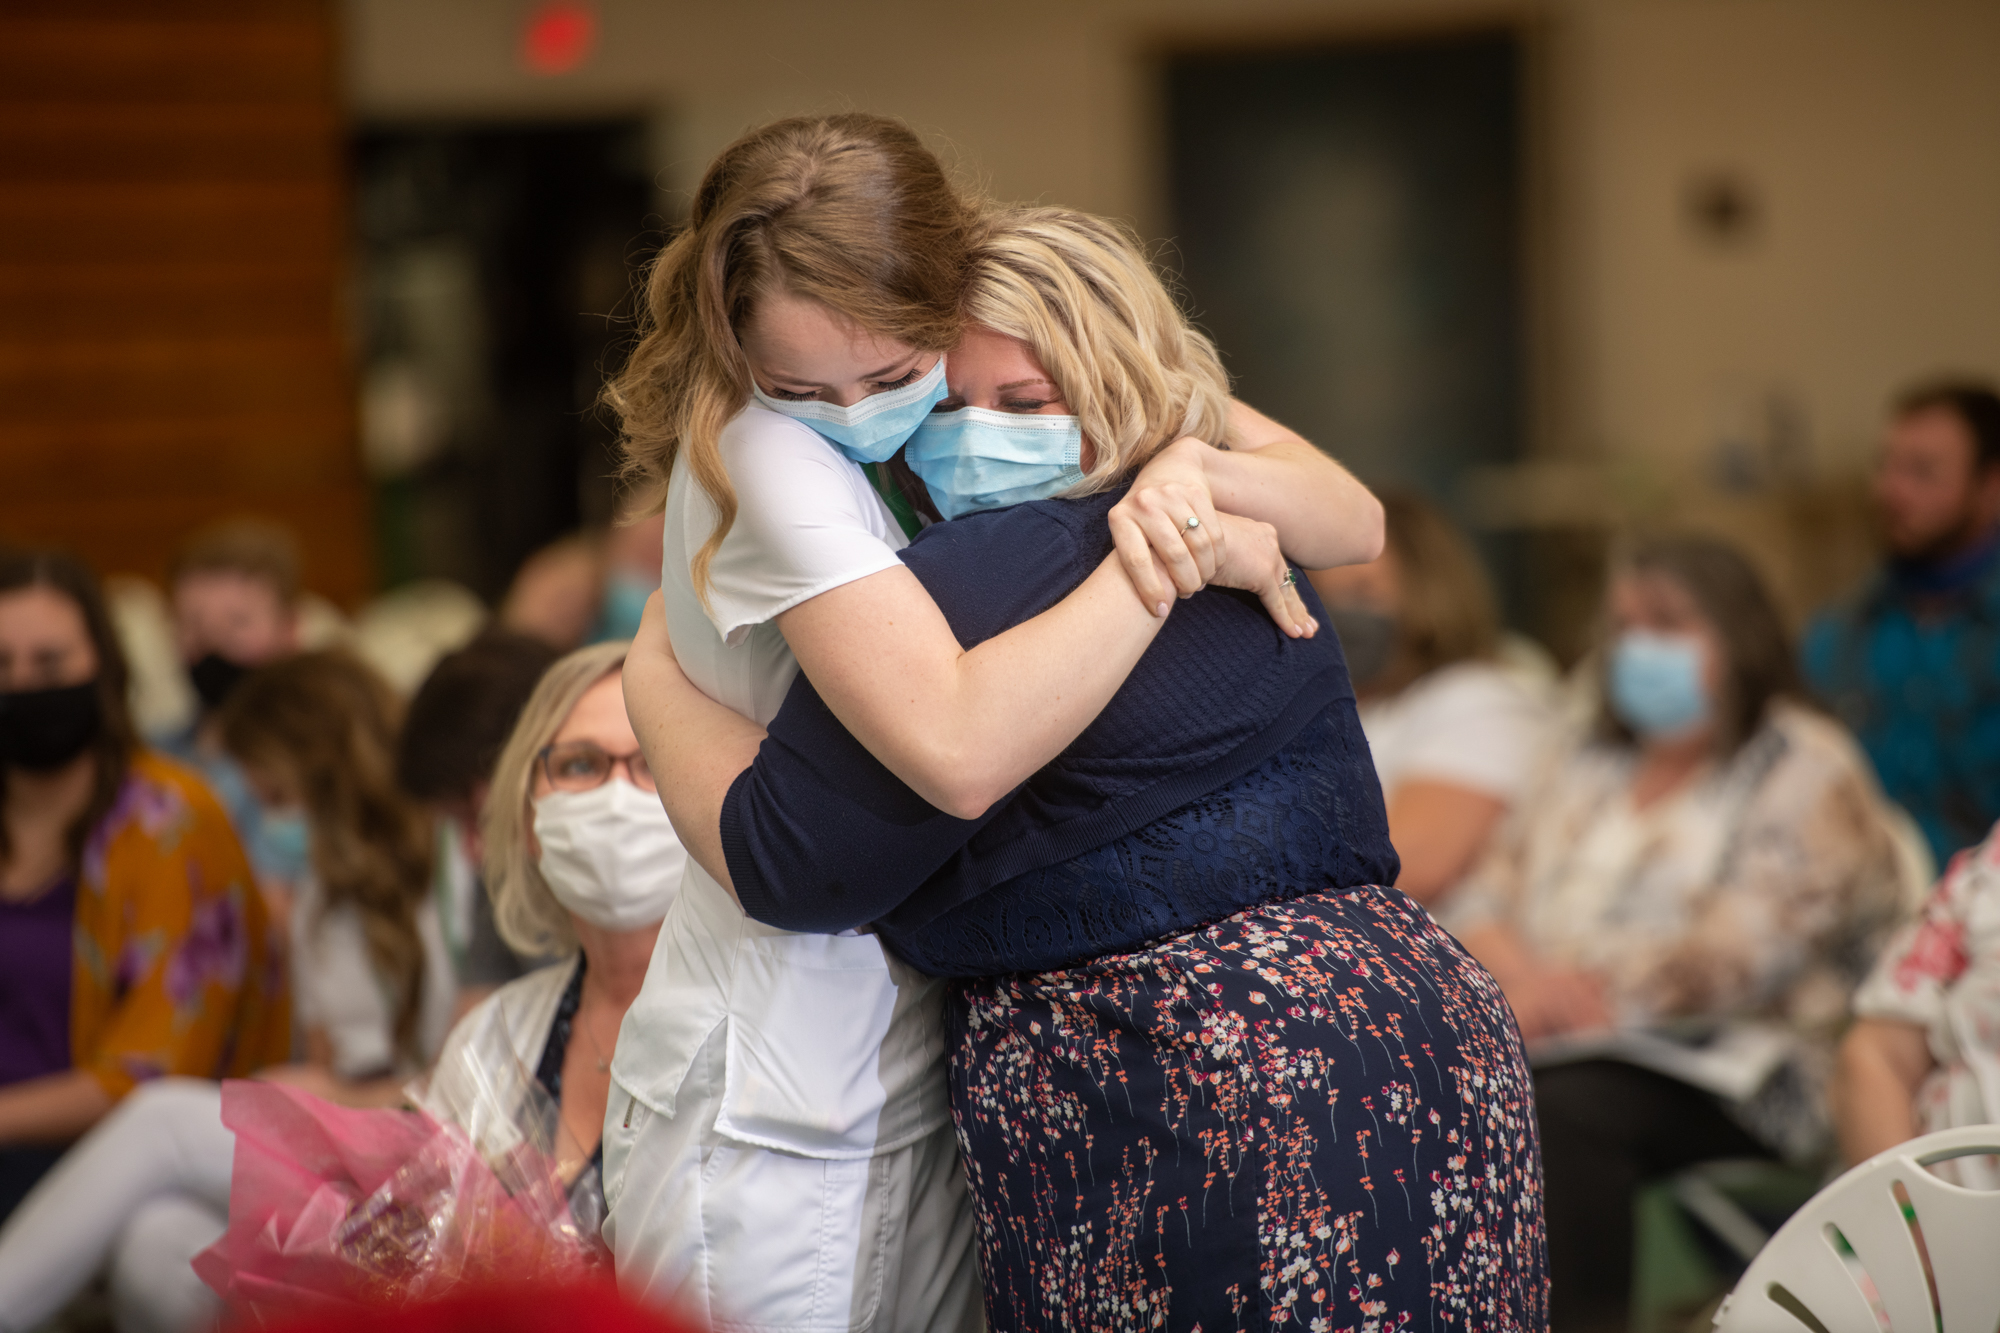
(581, 861)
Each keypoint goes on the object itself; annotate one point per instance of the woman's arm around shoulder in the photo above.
(1324, 517)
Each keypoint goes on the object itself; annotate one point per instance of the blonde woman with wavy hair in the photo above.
(1207, 1069)
(794, 342)
(581, 864)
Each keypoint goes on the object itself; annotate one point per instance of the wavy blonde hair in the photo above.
(524, 909)
(851, 211)
(1078, 290)
(329, 721)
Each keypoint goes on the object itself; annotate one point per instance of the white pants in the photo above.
(146, 1191)
(747, 1239)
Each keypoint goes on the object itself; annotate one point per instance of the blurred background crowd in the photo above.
(1666, 329)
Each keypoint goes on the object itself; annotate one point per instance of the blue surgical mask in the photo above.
(872, 430)
(625, 595)
(1655, 683)
(282, 848)
(975, 459)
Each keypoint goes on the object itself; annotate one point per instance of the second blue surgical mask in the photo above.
(1655, 683)
(975, 459)
(872, 430)
(282, 846)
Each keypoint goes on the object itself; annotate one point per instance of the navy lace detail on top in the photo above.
(1307, 819)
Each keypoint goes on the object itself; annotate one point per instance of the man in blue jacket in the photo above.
(1912, 661)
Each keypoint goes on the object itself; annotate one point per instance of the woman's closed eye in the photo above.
(1026, 404)
(911, 376)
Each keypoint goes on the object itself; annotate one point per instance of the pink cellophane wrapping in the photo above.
(331, 1206)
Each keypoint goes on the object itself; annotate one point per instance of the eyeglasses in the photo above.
(581, 766)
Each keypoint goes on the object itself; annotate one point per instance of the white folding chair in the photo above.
(1886, 1248)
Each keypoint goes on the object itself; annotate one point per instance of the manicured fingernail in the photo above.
(1161, 610)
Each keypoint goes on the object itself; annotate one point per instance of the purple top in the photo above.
(35, 952)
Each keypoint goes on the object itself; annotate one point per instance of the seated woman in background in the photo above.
(149, 1188)
(133, 942)
(1455, 734)
(581, 860)
(1924, 1053)
(1713, 855)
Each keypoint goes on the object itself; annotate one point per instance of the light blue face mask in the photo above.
(283, 845)
(625, 595)
(872, 430)
(1655, 683)
(975, 459)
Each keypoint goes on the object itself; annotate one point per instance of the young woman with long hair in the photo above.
(778, 1148)
(1206, 1070)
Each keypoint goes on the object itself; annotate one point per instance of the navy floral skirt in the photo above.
(1313, 1113)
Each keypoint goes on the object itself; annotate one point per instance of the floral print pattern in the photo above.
(177, 968)
(1941, 973)
(1313, 1113)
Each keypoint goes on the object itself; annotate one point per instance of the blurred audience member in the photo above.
(1455, 735)
(452, 736)
(558, 593)
(633, 552)
(316, 736)
(583, 864)
(1924, 1054)
(133, 942)
(148, 1189)
(234, 589)
(1713, 861)
(1912, 662)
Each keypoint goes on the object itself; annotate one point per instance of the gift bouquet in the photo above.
(334, 1207)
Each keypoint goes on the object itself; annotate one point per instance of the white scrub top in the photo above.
(834, 1049)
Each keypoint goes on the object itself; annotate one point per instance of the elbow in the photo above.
(962, 799)
(1371, 530)
(959, 786)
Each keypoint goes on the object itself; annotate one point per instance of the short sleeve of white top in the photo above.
(833, 1049)
(336, 989)
(1470, 724)
(807, 521)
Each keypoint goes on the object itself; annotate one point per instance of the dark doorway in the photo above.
(496, 276)
(1348, 221)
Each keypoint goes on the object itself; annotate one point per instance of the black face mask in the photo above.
(45, 729)
(1368, 638)
(215, 678)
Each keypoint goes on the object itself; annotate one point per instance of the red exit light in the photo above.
(558, 37)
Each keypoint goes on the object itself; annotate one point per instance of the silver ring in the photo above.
(1291, 577)
(1193, 523)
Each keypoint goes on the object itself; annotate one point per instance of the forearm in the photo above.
(54, 1108)
(1324, 516)
(964, 728)
(1874, 1093)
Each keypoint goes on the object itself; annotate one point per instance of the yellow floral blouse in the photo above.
(178, 969)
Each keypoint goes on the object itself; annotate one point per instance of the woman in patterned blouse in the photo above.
(133, 942)
(1924, 1053)
(1710, 862)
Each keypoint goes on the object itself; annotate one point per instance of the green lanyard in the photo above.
(892, 495)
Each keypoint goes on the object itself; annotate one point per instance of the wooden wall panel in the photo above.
(173, 236)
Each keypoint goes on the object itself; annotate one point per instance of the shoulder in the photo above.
(513, 1021)
(1471, 691)
(165, 808)
(1038, 531)
(1812, 742)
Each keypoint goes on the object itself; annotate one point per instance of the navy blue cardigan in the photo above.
(819, 836)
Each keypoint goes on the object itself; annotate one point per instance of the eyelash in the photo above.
(786, 395)
(1025, 404)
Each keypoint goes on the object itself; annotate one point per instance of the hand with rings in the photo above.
(1168, 518)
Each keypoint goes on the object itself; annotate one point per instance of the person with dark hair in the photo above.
(1455, 733)
(148, 1188)
(1678, 909)
(452, 735)
(133, 943)
(1911, 661)
(234, 589)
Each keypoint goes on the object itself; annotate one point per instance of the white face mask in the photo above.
(609, 854)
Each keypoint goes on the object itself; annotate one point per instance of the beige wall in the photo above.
(1869, 130)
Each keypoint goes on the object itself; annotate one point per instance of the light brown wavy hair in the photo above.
(525, 909)
(329, 723)
(1446, 612)
(1078, 290)
(851, 211)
